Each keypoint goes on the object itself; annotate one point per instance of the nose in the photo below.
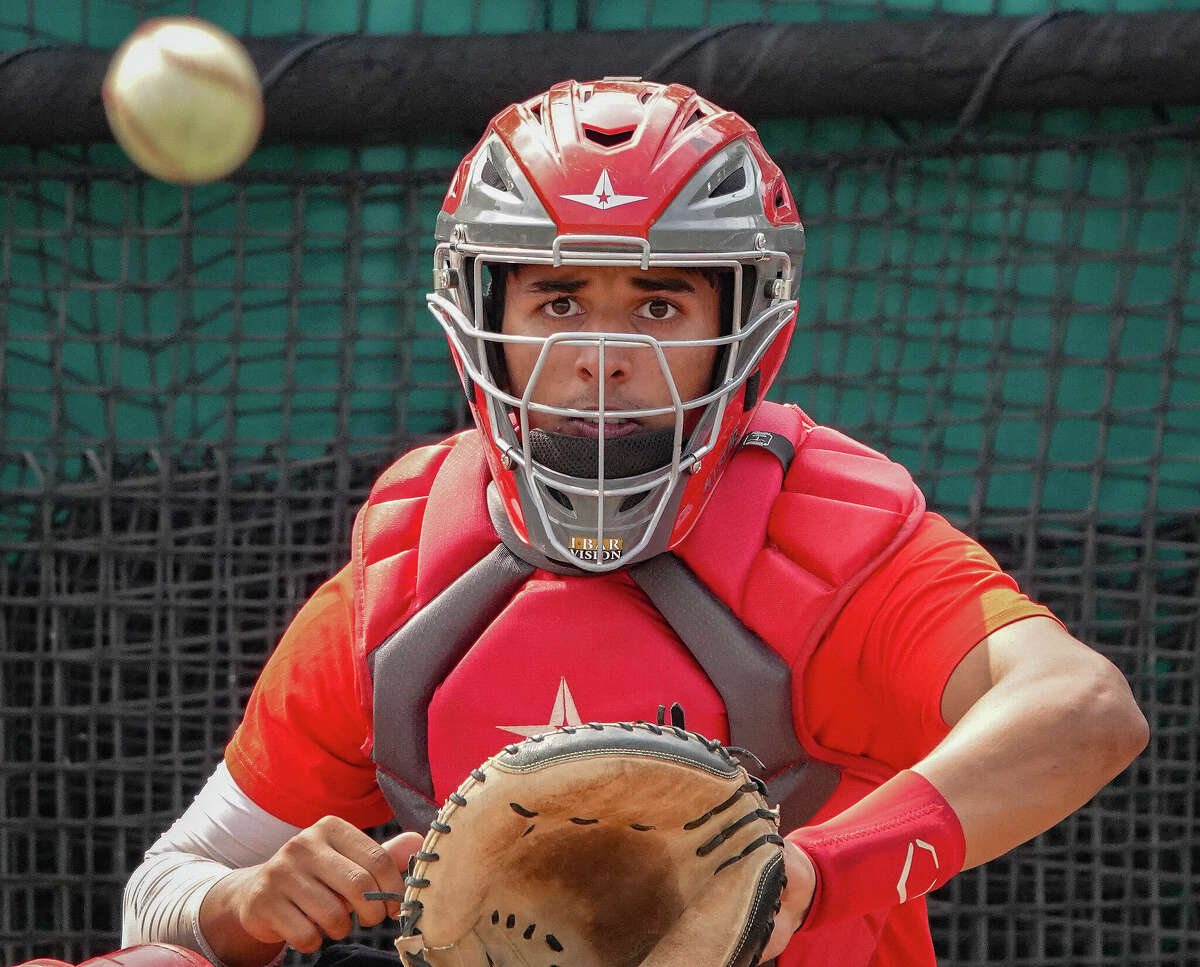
(610, 360)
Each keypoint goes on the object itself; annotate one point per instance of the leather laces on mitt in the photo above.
(614, 845)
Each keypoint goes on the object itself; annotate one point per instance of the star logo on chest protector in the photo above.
(563, 713)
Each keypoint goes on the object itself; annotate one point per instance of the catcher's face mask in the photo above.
(662, 191)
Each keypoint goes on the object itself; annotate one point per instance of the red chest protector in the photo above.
(466, 647)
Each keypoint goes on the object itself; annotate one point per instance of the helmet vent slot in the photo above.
(734, 181)
(632, 501)
(694, 118)
(609, 139)
(491, 177)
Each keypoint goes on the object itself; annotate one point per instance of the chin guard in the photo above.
(624, 456)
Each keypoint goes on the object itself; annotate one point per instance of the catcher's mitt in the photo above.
(598, 846)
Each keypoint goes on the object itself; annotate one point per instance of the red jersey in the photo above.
(872, 688)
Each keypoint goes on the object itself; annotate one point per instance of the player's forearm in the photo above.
(1041, 723)
(163, 897)
(218, 920)
(222, 831)
(1034, 748)
(184, 899)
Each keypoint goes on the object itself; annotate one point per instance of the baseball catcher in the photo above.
(629, 519)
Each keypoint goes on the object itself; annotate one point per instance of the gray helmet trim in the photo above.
(512, 215)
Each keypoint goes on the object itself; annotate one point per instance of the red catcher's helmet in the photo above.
(628, 173)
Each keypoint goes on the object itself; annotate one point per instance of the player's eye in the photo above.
(658, 309)
(562, 307)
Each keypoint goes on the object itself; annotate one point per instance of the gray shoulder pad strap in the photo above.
(754, 682)
(411, 809)
(416, 658)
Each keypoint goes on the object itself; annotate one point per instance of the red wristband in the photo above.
(897, 844)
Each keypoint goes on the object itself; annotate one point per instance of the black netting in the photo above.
(197, 387)
(1113, 883)
(139, 603)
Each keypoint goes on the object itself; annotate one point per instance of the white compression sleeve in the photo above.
(222, 830)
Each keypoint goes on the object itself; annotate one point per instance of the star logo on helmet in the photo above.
(604, 196)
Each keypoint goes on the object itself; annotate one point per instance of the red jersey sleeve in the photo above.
(874, 686)
(298, 750)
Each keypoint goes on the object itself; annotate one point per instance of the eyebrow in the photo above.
(569, 286)
(646, 284)
(668, 283)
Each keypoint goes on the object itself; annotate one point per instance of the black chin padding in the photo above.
(624, 456)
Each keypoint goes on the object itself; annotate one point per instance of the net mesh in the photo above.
(197, 388)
